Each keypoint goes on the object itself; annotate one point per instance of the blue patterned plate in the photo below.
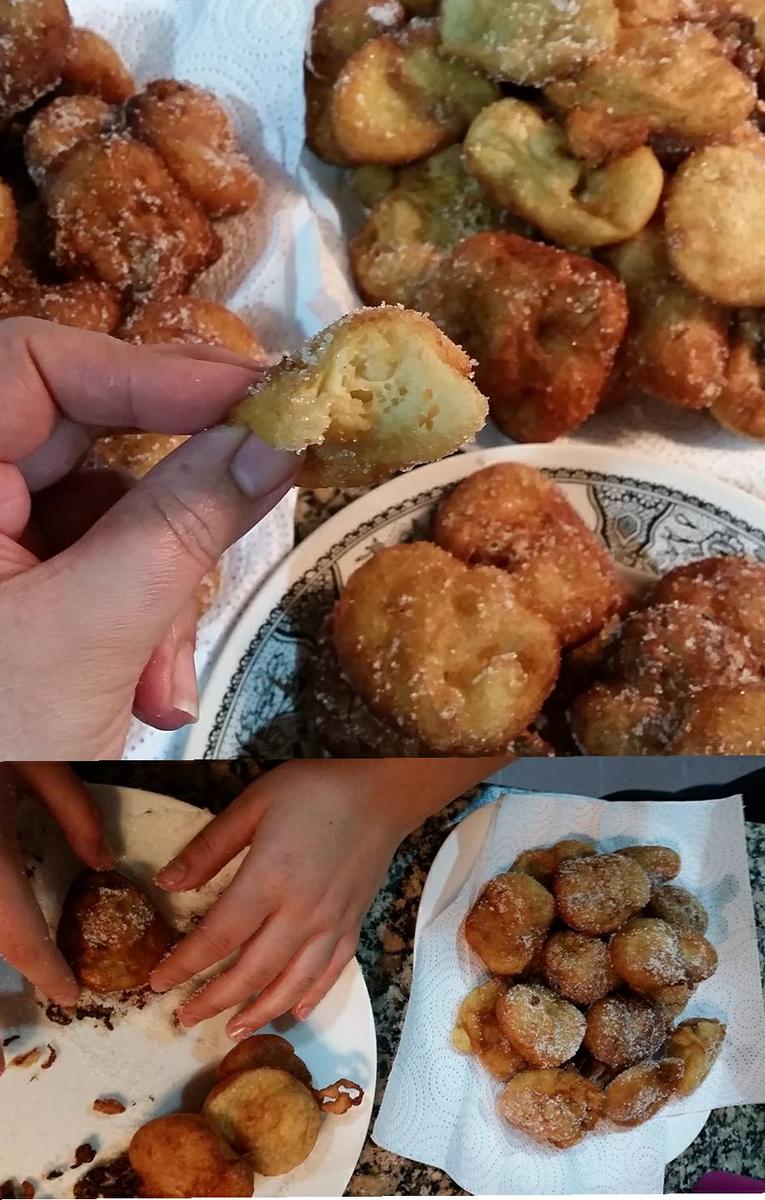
(652, 516)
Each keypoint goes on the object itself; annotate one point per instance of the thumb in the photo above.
(140, 563)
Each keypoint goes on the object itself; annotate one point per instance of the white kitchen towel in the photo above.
(440, 1106)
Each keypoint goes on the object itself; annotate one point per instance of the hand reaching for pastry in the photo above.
(25, 940)
(97, 612)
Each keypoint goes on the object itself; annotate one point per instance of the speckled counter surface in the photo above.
(732, 1140)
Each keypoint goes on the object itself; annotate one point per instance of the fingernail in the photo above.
(67, 998)
(302, 1012)
(260, 470)
(238, 1032)
(184, 694)
(171, 875)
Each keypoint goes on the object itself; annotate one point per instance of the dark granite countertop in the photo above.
(733, 1138)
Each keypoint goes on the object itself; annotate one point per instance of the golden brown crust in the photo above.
(543, 324)
(697, 1043)
(319, 132)
(578, 967)
(554, 1106)
(512, 517)
(110, 933)
(8, 224)
(728, 589)
(598, 893)
(408, 640)
(724, 721)
(188, 320)
(638, 1093)
(529, 43)
(94, 68)
(660, 863)
(268, 1116)
(679, 907)
(507, 925)
(646, 954)
(477, 1032)
(740, 403)
(400, 98)
(119, 215)
(545, 1029)
(182, 1155)
(193, 134)
(34, 35)
(624, 1029)
(341, 27)
(264, 1050)
(63, 123)
(378, 391)
(525, 163)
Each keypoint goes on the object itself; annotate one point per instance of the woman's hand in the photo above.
(321, 837)
(25, 939)
(321, 841)
(96, 597)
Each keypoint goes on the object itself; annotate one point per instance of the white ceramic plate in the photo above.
(448, 872)
(651, 516)
(144, 1060)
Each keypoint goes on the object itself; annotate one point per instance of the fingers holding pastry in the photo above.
(379, 391)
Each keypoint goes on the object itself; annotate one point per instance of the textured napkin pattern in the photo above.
(439, 1106)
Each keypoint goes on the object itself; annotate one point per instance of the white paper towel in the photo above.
(439, 1106)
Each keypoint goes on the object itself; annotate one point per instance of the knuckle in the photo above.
(191, 529)
(218, 944)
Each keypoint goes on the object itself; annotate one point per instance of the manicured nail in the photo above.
(302, 1012)
(171, 875)
(185, 690)
(238, 1032)
(260, 470)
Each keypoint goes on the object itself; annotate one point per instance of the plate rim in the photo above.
(681, 1124)
(678, 481)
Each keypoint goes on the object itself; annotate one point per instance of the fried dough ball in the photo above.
(8, 224)
(646, 954)
(543, 1028)
(671, 1001)
(319, 131)
(400, 98)
(578, 967)
(94, 68)
(187, 320)
(380, 390)
(63, 123)
(699, 955)
(543, 324)
(724, 721)
(433, 206)
(543, 863)
(512, 517)
(508, 922)
(478, 1033)
(728, 589)
(617, 720)
(110, 933)
(556, 1107)
(443, 651)
(268, 1116)
(715, 201)
(341, 27)
(524, 163)
(678, 907)
(740, 404)
(182, 1155)
(697, 1042)
(624, 1029)
(674, 650)
(82, 304)
(676, 77)
(118, 215)
(532, 42)
(193, 134)
(660, 863)
(264, 1050)
(34, 36)
(594, 137)
(597, 894)
(638, 1093)
(676, 346)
